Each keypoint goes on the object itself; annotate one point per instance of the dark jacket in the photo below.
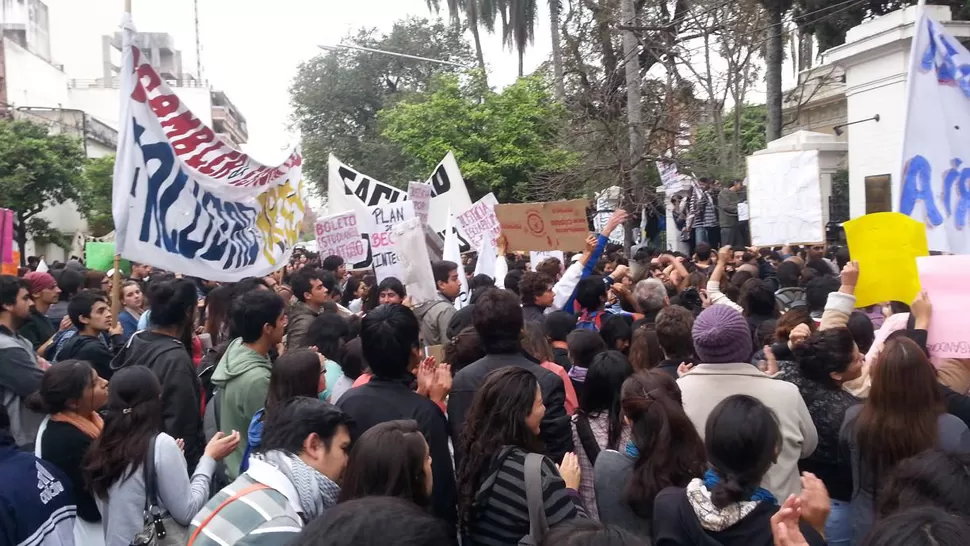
(533, 313)
(37, 329)
(382, 400)
(300, 316)
(562, 358)
(181, 391)
(675, 524)
(64, 446)
(556, 431)
(93, 350)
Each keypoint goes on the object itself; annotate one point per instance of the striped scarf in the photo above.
(316, 491)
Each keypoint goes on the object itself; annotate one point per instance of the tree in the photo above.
(94, 195)
(336, 96)
(37, 170)
(705, 157)
(474, 15)
(555, 9)
(774, 57)
(500, 139)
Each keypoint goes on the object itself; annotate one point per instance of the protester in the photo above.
(498, 319)
(389, 336)
(90, 314)
(823, 364)
(465, 349)
(583, 346)
(243, 373)
(645, 351)
(757, 299)
(933, 478)
(71, 393)
(134, 303)
(37, 328)
(133, 454)
(673, 326)
(295, 373)
(722, 341)
(311, 293)
(327, 333)
(651, 297)
(791, 294)
(36, 500)
(20, 375)
(217, 304)
(903, 415)
(727, 505)
(557, 326)
(727, 212)
(389, 291)
(353, 294)
(501, 438)
(535, 289)
(535, 345)
(599, 424)
(161, 349)
(617, 332)
(292, 479)
(352, 523)
(436, 314)
(920, 527)
(663, 450)
(70, 282)
(140, 273)
(391, 459)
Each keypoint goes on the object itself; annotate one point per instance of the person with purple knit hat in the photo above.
(722, 341)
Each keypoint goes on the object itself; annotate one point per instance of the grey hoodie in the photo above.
(435, 316)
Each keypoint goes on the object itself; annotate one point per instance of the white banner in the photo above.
(417, 276)
(606, 203)
(536, 257)
(185, 201)
(340, 235)
(479, 221)
(933, 187)
(672, 181)
(785, 198)
(453, 254)
(420, 195)
(383, 244)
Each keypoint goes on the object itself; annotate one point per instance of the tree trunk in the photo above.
(631, 54)
(521, 62)
(805, 54)
(478, 52)
(556, 49)
(774, 56)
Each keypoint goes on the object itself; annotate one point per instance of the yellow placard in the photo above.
(886, 245)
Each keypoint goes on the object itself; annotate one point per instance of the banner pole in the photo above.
(128, 7)
(116, 290)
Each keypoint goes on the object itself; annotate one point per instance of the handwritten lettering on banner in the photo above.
(339, 235)
(935, 184)
(420, 196)
(383, 243)
(480, 221)
(944, 280)
(556, 225)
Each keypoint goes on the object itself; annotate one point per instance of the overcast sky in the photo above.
(251, 48)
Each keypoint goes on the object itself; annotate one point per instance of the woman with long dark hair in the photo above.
(536, 344)
(501, 432)
(295, 373)
(71, 393)
(903, 415)
(728, 506)
(664, 450)
(598, 423)
(646, 352)
(217, 314)
(391, 459)
(114, 466)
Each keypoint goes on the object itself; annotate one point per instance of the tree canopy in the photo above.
(336, 96)
(36, 169)
(94, 197)
(703, 157)
(500, 139)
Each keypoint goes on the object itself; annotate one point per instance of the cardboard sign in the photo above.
(944, 280)
(556, 225)
(537, 257)
(419, 195)
(383, 243)
(886, 245)
(339, 235)
(480, 221)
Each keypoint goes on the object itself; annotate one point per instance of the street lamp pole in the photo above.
(395, 54)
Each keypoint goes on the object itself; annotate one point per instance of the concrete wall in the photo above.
(31, 80)
(104, 103)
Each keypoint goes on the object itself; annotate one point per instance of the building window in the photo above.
(879, 194)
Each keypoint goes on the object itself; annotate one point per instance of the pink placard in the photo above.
(944, 280)
(6, 236)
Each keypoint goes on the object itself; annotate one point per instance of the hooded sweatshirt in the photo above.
(243, 377)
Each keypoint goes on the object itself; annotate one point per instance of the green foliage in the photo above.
(37, 169)
(43, 233)
(704, 156)
(94, 196)
(336, 96)
(501, 140)
(839, 211)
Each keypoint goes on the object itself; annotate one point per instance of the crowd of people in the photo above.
(732, 396)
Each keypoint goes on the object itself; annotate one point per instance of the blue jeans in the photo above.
(838, 527)
(700, 236)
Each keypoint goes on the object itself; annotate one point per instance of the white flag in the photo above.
(486, 258)
(933, 187)
(453, 254)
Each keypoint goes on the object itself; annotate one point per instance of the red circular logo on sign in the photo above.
(535, 223)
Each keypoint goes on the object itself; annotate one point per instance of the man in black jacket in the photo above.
(161, 349)
(389, 336)
(91, 315)
(498, 319)
(535, 289)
